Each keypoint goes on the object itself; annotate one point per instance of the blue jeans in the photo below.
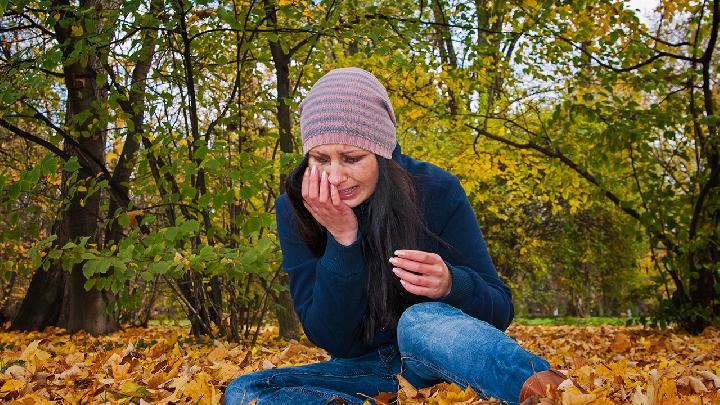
(436, 342)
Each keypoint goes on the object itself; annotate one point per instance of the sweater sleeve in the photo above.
(476, 287)
(329, 291)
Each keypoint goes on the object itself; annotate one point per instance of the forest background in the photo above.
(143, 144)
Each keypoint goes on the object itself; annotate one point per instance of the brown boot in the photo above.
(535, 387)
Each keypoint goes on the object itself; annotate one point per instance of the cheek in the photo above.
(371, 177)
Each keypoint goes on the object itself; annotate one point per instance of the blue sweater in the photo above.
(329, 293)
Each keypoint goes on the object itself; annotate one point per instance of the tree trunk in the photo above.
(55, 297)
(289, 323)
(41, 305)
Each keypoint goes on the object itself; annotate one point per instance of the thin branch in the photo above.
(32, 23)
(637, 180)
(575, 167)
(664, 42)
(116, 192)
(35, 139)
(707, 55)
(188, 304)
(658, 55)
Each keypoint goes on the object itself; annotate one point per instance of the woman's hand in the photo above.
(322, 200)
(422, 273)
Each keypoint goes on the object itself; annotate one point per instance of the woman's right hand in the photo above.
(323, 202)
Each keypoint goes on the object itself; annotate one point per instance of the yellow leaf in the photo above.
(32, 351)
(668, 389)
(569, 398)
(30, 399)
(12, 385)
(217, 354)
(77, 30)
(132, 389)
(200, 389)
(120, 371)
(407, 388)
(621, 343)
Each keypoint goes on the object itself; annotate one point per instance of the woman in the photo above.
(388, 268)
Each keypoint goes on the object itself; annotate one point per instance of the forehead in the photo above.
(331, 149)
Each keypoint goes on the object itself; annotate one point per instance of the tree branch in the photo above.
(35, 139)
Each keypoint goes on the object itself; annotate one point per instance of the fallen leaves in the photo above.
(155, 365)
(164, 365)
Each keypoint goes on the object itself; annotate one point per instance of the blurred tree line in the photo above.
(142, 145)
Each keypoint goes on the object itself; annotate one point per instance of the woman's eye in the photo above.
(321, 160)
(353, 159)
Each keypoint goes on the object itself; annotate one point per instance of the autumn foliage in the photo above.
(163, 364)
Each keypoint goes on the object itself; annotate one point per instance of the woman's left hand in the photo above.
(422, 273)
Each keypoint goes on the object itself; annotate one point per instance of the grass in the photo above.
(169, 322)
(575, 321)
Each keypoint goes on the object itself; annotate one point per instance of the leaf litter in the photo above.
(163, 364)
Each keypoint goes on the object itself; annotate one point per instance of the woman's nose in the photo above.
(336, 174)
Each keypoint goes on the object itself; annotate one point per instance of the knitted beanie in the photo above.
(348, 106)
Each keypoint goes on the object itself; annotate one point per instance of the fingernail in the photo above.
(392, 260)
(395, 270)
(402, 282)
(313, 170)
(399, 252)
(307, 171)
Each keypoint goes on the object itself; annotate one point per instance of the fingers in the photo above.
(422, 273)
(412, 278)
(316, 186)
(416, 289)
(322, 200)
(418, 256)
(313, 184)
(335, 196)
(306, 183)
(414, 266)
(324, 192)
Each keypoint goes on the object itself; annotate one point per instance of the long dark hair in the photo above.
(394, 221)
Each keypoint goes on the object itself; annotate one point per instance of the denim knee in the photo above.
(417, 321)
(430, 325)
(422, 310)
(244, 388)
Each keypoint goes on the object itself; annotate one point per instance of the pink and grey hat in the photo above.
(348, 106)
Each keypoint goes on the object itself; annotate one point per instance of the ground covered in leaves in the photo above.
(162, 364)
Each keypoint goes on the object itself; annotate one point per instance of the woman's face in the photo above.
(354, 171)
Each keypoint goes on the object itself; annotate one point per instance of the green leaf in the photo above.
(48, 165)
(89, 284)
(190, 226)
(161, 267)
(123, 220)
(71, 165)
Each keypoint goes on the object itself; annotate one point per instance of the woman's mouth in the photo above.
(348, 193)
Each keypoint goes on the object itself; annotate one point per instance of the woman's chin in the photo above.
(354, 201)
